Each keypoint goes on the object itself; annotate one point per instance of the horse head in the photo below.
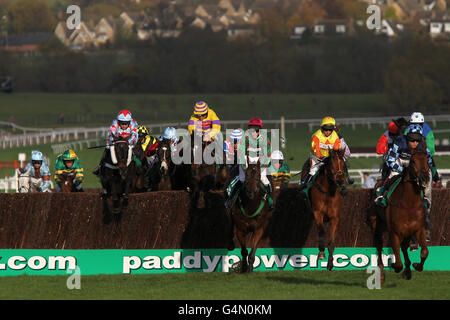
(253, 178)
(336, 166)
(121, 155)
(66, 181)
(164, 155)
(418, 169)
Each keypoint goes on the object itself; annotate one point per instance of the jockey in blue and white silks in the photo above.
(399, 155)
(40, 172)
(398, 158)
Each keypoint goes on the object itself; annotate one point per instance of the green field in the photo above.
(42, 109)
(277, 285)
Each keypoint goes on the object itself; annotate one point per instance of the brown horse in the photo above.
(405, 216)
(250, 215)
(67, 184)
(203, 175)
(326, 200)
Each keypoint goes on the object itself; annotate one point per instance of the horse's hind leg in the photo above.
(319, 223)
(423, 251)
(378, 243)
(407, 272)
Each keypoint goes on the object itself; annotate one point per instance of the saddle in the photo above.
(234, 191)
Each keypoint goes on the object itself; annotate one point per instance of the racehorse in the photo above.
(118, 172)
(250, 215)
(326, 200)
(164, 166)
(25, 182)
(67, 182)
(203, 175)
(405, 216)
(138, 181)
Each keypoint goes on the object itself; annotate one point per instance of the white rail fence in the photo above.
(33, 136)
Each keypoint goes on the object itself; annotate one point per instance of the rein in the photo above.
(260, 207)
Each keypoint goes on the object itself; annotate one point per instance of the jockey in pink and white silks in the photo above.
(124, 126)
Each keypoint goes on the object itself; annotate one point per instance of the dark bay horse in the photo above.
(164, 170)
(326, 200)
(405, 216)
(118, 172)
(250, 215)
(138, 181)
(203, 175)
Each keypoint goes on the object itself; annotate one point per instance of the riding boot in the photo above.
(269, 196)
(349, 179)
(304, 183)
(380, 199)
(233, 193)
(97, 170)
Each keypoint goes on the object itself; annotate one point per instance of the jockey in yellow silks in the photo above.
(322, 141)
(204, 122)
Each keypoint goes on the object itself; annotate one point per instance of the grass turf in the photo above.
(276, 285)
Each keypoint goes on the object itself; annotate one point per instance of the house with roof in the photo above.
(24, 44)
(333, 27)
(63, 33)
(439, 27)
(391, 28)
(298, 31)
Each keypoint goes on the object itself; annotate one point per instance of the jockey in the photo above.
(230, 146)
(387, 138)
(204, 122)
(148, 143)
(386, 141)
(68, 162)
(398, 159)
(252, 147)
(323, 140)
(418, 118)
(40, 171)
(170, 133)
(123, 126)
(279, 170)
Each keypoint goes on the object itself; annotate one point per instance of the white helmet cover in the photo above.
(417, 117)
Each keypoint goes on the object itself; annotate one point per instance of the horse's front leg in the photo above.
(115, 196)
(423, 251)
(126, 192)
(244, 264)
(407, 272)
(395, 240)
(331, 244)
(256, 237)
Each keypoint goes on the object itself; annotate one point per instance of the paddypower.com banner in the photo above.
(14, 262)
